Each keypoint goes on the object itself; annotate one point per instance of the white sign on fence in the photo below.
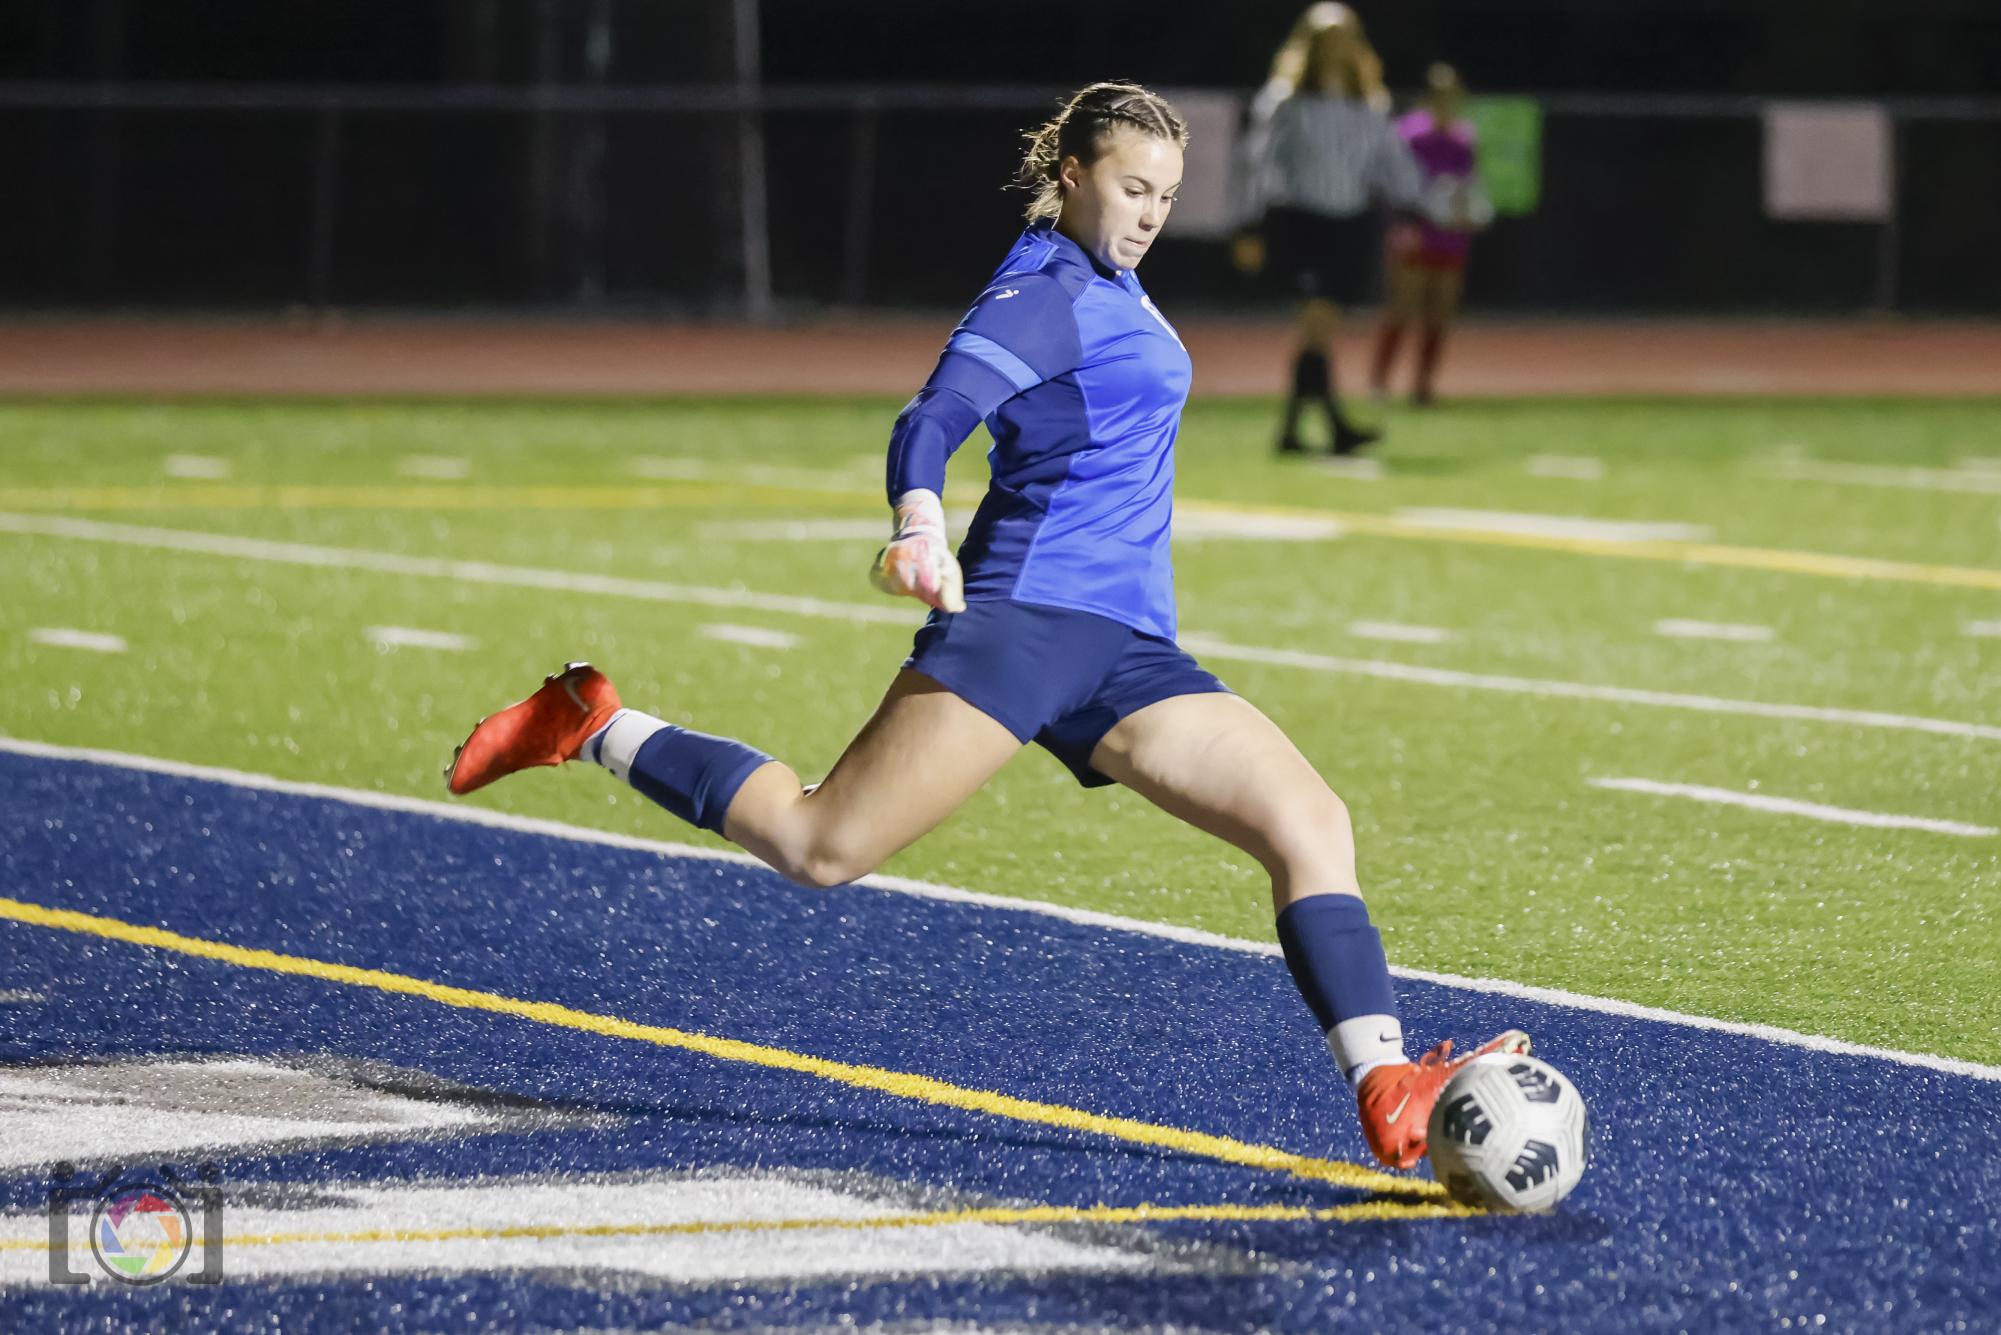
(1829, 162)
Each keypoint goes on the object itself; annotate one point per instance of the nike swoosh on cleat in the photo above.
(571, 688)
(1397, 1112)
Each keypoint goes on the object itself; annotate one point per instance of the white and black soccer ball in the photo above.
(1508, 1133)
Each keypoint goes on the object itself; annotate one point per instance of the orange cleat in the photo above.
(1396, 1100)
(547, 728)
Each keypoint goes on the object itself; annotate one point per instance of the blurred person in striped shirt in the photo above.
(1425, 258)
(1320, 155)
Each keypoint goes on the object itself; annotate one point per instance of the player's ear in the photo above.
(1070, 172)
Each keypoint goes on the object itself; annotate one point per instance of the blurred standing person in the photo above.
(1426, 257)
(1320, 154)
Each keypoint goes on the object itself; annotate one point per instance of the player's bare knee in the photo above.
(1311, 834)
(831, 861)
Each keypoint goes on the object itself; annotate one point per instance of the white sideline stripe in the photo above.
(1195, 523)
(1553, 526)
(397, 637)
(758, 637)
(195, 466)
(1209, 647)
(1984, 629)
(1884, 475)
(440, 467)
(1397, 631)
(344, 558)
(475, 572)
(1787, 806)
(1360, 467)
(1578, 467)
(952, 894)
(1676, 629)
(62, 637)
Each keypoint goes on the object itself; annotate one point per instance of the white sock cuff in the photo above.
(1362, 1044)
(621, 739)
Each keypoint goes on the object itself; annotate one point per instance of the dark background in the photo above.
(487, 205)
(1827, 48)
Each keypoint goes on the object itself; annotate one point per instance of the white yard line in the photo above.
(437, 467)
(63, 637)
(887, 613)
(758, 637)
(1982, 629)
(1553, 526)
(1787, 806)
(952, 894)
(1985, 480)
(203, 466)
(1676, 629)
(1209, 647)
(1193, 523)
(1357, 467)
(471, 572)
(1399, 633)
(1576, 467)
(409, 637)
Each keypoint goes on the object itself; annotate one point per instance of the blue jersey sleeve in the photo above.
(1018, 334)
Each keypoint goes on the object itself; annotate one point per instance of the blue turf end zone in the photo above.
(1737, 1183)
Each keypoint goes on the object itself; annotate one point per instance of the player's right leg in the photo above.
(1215, 761)
(923, 753)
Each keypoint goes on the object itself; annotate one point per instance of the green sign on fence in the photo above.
(1510, 130)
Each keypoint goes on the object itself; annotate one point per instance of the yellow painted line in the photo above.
(899, 1084)
(1359, 1212)
(704, 494)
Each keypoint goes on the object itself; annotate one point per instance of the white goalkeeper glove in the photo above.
(918, 563)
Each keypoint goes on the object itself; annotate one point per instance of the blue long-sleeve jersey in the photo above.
(1081, 382)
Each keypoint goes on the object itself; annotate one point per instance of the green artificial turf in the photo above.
(1484, 848)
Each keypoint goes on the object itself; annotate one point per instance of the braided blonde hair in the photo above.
(1078, 131)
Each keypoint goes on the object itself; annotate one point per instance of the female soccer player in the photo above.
(1426, 259)
(1055, 624)
(1314, 168)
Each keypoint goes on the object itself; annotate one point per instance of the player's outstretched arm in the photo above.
(918, 561)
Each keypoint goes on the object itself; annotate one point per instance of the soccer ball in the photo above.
(1508, 1133)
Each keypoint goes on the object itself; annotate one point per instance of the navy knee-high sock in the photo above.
(692, 774)
(1337, 962)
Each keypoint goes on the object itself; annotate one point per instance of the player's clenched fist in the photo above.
(918, 563)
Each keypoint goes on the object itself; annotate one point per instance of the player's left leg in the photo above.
(1215, 761)
(1403, 304)
(1440, 302)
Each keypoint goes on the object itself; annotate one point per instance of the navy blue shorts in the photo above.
(1052, 676)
